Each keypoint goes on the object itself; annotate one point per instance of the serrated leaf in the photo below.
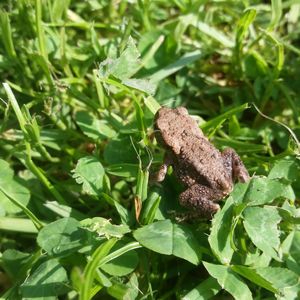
(10, 187)
(62, 237)
(46, 283)
(168, 238)
(119, 151)
(92, 127)
(219, 238)
(103, 227)
(261, 226)
(285, 168)
(229, 281)
(262, 190)
(89, 172)
(124, 66)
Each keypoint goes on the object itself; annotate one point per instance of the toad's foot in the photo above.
(200, 198)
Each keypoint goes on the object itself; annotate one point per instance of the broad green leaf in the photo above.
(143, 85)
(123, 264)
(261, 190)
(62, 237)
(261, 226)
(89, 172)
(92, 127)
(128, 291)
(102, 279)
(252, 275)
(133, 284)
(168, 238)
(123, 170)
(47, 282)
(118, 291)
(14, 262)
(229, 281)
(204, 291)
(285, 168)
(219, 238)
(274, 279)
(122, 211)
(182, 62)
(119, 151)
(103, 227)
(6, 172)
(123, 67)
(291, 251)
(11, 188)
(280, 278)
(295, 247)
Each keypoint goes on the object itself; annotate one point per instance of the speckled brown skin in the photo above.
(206, 173)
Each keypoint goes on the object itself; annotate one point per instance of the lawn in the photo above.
(80, 214)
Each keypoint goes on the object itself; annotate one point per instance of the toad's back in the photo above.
(200, 162)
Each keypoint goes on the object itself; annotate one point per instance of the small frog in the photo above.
(206, 173)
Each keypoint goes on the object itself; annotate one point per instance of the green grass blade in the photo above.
(6, 34)
(185, 60)
(40, 30)
(217, 120)
(17, 225)
(276, 14)
(91, 267)
(215, 34)
(37, 223)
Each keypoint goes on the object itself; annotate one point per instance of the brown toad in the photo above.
(206, 173)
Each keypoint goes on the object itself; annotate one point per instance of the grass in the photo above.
(80, 217)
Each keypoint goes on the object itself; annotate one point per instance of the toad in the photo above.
(206, 173)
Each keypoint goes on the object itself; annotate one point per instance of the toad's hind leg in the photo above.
(200, 198)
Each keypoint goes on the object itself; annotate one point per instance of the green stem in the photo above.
(37, 223)
(99, 89)
(28, 161)
(18, 225)
(39, 28)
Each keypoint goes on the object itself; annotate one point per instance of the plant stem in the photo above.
(28, 160)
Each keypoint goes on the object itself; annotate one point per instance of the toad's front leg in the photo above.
(200, 199)
(161, 173)
(234, 165)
